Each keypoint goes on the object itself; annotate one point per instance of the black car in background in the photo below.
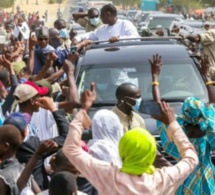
(110, 65)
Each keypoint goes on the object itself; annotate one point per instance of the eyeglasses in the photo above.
(42, 39)
(95, 16)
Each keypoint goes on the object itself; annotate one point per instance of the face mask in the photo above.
(136, 107)
(94, 21)
(101, 86)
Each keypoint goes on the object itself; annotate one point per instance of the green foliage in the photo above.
(126, 2)
(6, 3)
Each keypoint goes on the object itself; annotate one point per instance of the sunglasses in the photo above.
(43, 39)
(96, 16)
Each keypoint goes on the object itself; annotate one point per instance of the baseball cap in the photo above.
(28, 90)
(18, 66)
(45, 83)
(19, 120)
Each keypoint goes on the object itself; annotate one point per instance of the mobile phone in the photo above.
(73, 49)
(150, 107)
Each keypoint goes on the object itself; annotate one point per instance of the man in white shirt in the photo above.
(113, 28)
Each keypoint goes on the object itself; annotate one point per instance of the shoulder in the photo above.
(30, 145)
(137, 116)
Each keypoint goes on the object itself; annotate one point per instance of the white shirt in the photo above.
(122, 28)
(46, 124)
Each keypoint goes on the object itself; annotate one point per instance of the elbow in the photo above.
(194, 161)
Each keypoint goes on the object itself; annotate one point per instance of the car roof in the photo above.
(133, 53)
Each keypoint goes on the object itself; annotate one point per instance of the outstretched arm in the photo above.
(205, 71)
(45, 147)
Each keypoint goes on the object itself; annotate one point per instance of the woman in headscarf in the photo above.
(106, 131)
(137, 150)
(198, 122)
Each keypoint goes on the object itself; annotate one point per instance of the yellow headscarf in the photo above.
(137, 149)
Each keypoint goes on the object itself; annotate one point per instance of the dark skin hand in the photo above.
(167, 114)
(156, 65)
(88, 97)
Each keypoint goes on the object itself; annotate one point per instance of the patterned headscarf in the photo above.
(137, 149)
(194, 112)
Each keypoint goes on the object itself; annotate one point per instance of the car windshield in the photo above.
(177, 80)
(131, 13)
(144, 17)
(164, 21)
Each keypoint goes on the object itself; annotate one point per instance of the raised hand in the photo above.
(46, 103)
(73, 57)
(68, 66)
(205, 65)
(32, 42)
(46, 147)
(51, 57)
(167, 115)
(155, 65)
(5, 63)
(88, 97)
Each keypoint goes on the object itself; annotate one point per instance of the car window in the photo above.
(154, 22)
(177, 81)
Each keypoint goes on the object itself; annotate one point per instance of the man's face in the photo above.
(3, 149)
(93, 14)
(131, 99)
(34, 107)
(105, 17)
(60, 25)
(55, 40)
(43, 41)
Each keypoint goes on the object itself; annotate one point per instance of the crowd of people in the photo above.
(43, 117)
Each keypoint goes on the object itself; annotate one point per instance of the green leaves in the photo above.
(6, 3)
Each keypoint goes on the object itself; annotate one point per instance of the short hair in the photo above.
(60, 159)
(60, 21)
(10, 134)
(64, 183)
(92, 10)
(109, 8)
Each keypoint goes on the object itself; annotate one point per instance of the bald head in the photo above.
(11, 135)
(126, 90)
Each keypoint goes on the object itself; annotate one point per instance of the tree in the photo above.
(6, 3)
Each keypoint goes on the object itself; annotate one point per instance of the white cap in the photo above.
(24, 92)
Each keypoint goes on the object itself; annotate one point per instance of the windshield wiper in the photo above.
(172, 100)
(100, 104)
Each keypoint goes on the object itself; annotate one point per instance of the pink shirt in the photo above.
(108, 179)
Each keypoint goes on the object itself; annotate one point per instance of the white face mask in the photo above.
(95, 21)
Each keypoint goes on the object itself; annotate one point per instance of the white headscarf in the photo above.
(107, 131)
